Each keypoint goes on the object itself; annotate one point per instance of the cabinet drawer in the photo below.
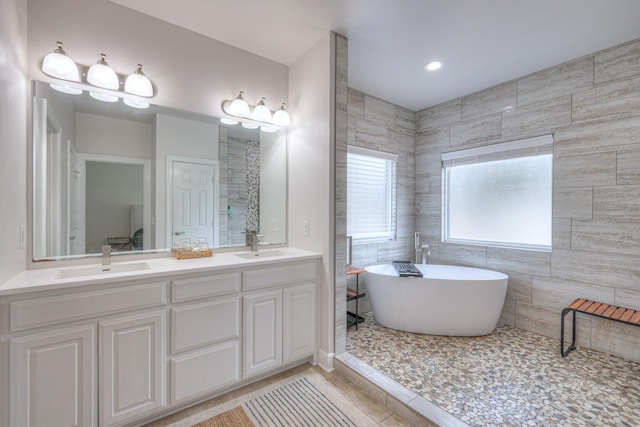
(206, 323)
(280, 275)
(204, 371)
(65, 308)
(206, 286)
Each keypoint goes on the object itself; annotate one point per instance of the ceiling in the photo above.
(482, 42)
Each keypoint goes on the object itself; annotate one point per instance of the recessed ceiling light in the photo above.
(434, 65)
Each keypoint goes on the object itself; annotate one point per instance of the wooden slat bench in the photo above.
(598, 309)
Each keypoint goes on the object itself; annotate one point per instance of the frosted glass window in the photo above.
(500, 202)
(371, 195)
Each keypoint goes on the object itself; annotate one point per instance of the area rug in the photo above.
(235, 417)
(305, 399)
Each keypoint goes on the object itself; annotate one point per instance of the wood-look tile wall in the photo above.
(592, 106)
(340, 158)
(380, 125)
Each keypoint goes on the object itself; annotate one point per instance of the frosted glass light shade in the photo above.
(227, 121)
(239, 107)
(57, 64)
(101, 75)
(261, 112)
(249, 126)
(138, 84)
(281, 117)
(103, 97)
(134, 103)
(66, 89)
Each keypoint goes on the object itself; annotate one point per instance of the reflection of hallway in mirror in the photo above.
(115, 187)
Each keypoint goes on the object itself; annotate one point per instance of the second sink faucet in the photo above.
(253, 238)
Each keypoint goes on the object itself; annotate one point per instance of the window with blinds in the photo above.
(371, 195)
(500, 195)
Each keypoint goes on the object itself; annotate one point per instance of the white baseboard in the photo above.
(325, 360)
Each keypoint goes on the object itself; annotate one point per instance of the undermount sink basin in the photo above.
(98, 270)
(260, 254)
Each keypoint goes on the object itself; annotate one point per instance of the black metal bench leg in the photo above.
(571, 347)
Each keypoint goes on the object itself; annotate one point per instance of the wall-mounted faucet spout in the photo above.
(425, 252)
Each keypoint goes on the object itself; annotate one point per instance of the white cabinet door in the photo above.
(262, 331)
(132, 368)
(53, 378)
(299, 322)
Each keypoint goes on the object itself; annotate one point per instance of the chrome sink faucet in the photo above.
(253, 238)
(106, 254)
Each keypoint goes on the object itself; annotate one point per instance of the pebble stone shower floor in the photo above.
(509, 378)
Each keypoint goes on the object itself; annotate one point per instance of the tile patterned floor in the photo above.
(376, 413)
(509, 378)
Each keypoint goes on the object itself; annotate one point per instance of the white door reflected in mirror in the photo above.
(194, 186)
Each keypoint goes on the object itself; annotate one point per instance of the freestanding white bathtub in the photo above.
(447, 300)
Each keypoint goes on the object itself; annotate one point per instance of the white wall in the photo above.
(114, 137)
(178, 137)
(13, 135)
(311, 173)
(13, 161)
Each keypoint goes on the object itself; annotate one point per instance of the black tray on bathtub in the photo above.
(406, 269)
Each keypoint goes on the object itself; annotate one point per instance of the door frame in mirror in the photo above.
(82, 159)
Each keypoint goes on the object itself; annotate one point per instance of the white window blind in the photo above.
(500, 195)
(371, 195)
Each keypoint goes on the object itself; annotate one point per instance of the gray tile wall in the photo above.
(341, 73)
(379, 125)
(592, 106)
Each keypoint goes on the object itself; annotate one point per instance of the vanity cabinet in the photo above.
(53, 377)
(205, 335)
(131, 361)
(263, 332)
(299, 322)
(87, 357)
(279, 323)
(116, 354)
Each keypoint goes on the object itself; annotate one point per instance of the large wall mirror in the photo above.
(142, 180)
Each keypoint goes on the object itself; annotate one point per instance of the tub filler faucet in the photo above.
(106, 255)
(422, 251)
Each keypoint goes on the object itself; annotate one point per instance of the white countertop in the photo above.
(49, 278)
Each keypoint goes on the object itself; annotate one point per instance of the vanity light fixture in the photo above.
(60, 66)
(281, 117)
(138, 84)
(261, 113)
(101, 75)
(434, 66)
(239, 107)
(259, 116)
